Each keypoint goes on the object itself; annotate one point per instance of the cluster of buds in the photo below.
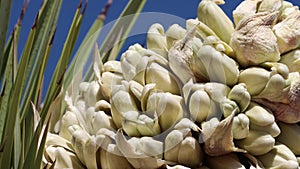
(206, 96)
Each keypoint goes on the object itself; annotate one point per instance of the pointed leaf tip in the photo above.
(80, 4)
(61, 77)
(35, 21)
(3, 89)
(25, 5)
(105, 9)
(84, 8)
(52, 38)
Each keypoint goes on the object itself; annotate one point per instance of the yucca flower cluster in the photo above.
(211, 95)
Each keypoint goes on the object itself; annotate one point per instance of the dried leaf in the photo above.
(218, 140)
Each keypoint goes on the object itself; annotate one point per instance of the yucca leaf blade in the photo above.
(122, 26)
(46, 25)
(39, 54)
(5, 7)
(17, 143)
(43, 135)
(83, 51)
(6, 88)
(114, 41)
(56, 81)
(11, 108)
(34, 155)
(8, 85)
(47, 20)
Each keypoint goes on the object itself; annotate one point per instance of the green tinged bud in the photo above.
(92, 94)
(169, 108)
(240, 95)
(112, 66)
(156, 40)
(129, 123)
(228, 106)
(121, 101)
(292, 60)
(162, 77)
(200, 105)
(214, 17)
(273, 89)
(287, 32)
(225, 69)
(258, 115)
(190, 153)
(108, 79)
(136, 124)
(240, 126)
(269, 5)
(148, 126)
(290, 137)
(199, 102)
(273, 129)
(287, 9)
(257, 142)
(279, 157)
(216, 91)
(182, 148)
(85, 146)
(130, 59)
(172, 145)
(244, 9)
(202, 30)
(255, 79)
(68, 119)
(96, 120)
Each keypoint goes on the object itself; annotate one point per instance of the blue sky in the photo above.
(182, 8)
